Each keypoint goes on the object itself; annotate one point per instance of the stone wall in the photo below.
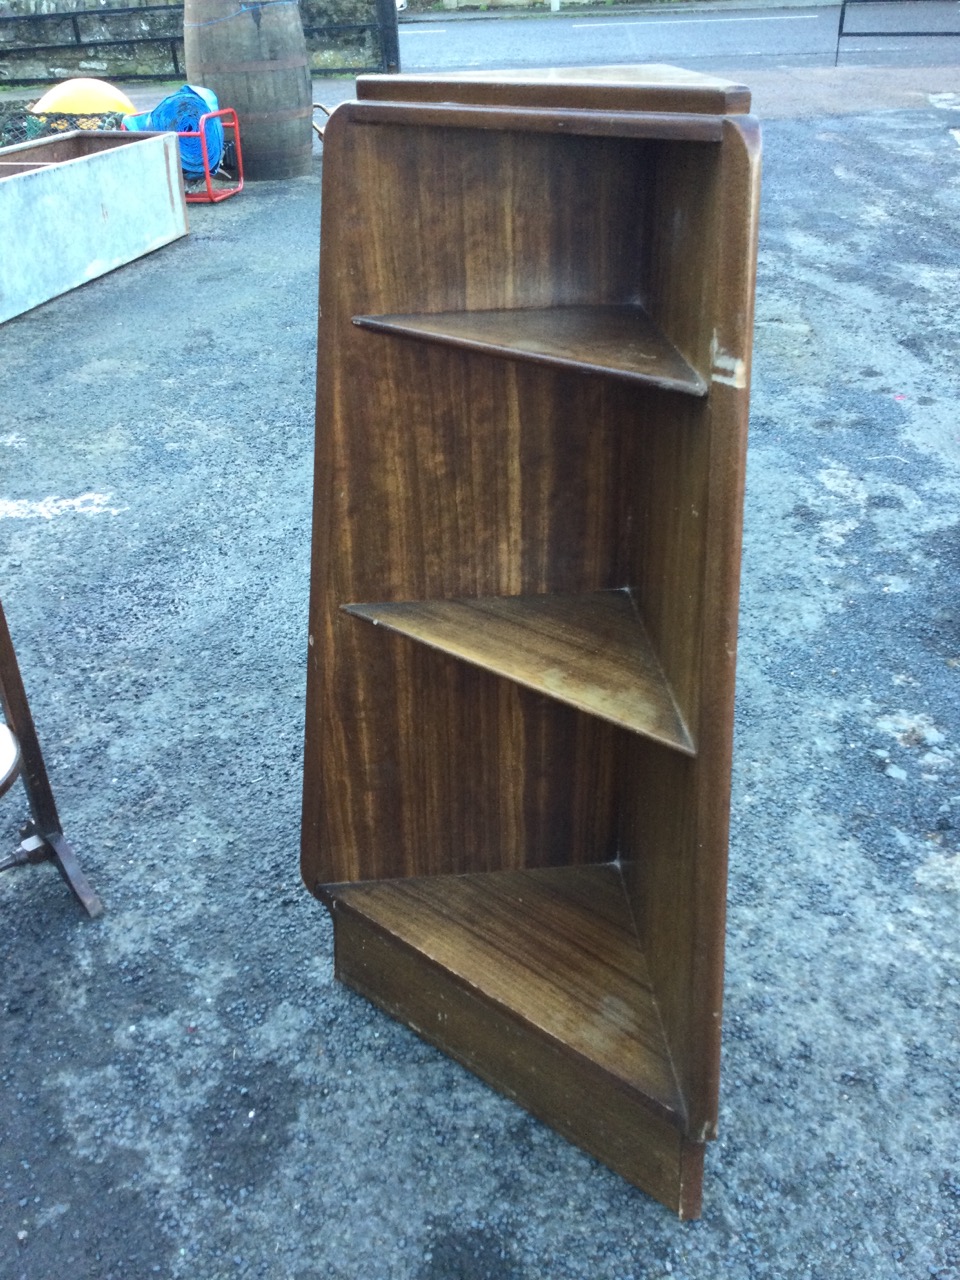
(45, 41)
(147, 42)
(355, 48)
(27, 7)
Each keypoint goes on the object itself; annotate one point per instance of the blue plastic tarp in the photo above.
(181, 112)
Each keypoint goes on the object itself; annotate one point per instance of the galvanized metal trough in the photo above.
(75, 206)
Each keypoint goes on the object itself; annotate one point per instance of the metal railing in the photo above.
(944, 7)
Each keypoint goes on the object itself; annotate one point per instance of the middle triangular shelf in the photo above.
(590, 651)
(615, 339)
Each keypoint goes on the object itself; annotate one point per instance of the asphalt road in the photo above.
(751, 37)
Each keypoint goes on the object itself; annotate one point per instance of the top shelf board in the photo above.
(615, 340)
(643, 87)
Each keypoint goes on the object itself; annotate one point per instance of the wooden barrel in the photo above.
(254, 58)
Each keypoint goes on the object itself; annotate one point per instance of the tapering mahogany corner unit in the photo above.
(536, 296)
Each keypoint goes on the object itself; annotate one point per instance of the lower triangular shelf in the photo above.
(588, 650)
(552, 952)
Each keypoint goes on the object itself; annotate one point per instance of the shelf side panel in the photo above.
(618, 340)
(683, 240)
(589, 651)
(664, 486)
(676, 855)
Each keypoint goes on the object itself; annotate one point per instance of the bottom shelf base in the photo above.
(398, 952)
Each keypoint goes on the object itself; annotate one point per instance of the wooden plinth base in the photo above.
(528, 1030)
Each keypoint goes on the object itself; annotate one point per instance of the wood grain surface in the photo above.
(677, 852)
(672, 126)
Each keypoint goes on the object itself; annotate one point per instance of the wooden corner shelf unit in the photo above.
(536, 314)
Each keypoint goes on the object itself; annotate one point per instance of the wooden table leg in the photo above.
(43, 840)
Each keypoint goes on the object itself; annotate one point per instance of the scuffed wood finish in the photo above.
(531, 422)
(556, 949)
(618, 340)
(589, 651)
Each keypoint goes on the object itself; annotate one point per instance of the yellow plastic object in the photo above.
(83, 97)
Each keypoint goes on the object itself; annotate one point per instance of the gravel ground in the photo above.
(186, 1093)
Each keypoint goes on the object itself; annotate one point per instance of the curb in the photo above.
(537, 9)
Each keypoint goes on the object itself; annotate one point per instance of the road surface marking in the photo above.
(676, 22)
(872, 48)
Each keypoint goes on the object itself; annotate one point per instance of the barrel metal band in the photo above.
(292, 113)
(241, 67)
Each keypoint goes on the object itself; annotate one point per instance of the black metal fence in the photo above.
(875, 19)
